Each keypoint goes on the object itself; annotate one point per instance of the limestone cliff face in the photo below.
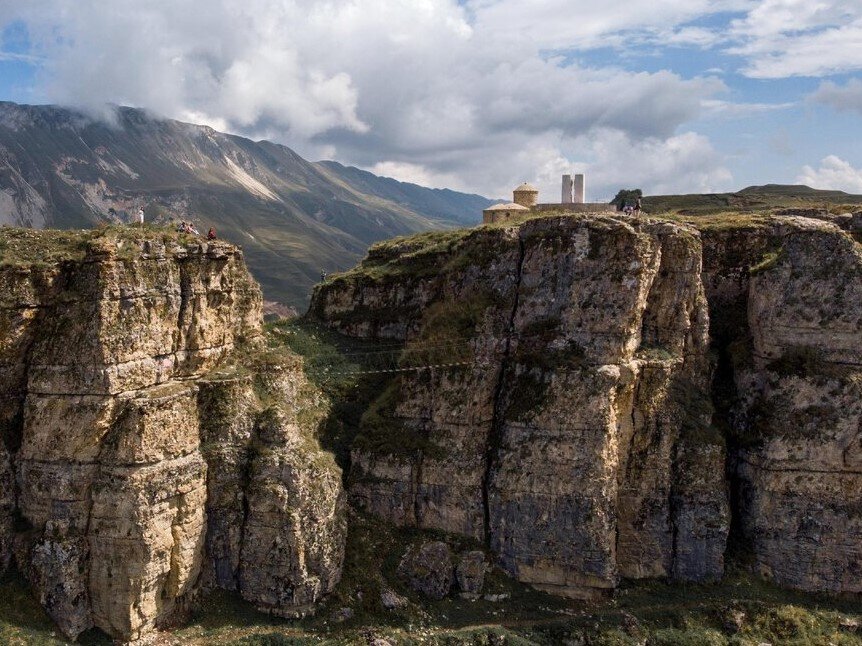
(605, 393)
(105, 498)
(568, 438)
(276, 508)
(796, 412)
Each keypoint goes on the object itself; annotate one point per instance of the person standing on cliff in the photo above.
(638, 207)
(141, 215)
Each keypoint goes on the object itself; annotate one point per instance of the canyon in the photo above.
(581, 400)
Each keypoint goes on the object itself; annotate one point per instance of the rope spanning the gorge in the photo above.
(327, 373)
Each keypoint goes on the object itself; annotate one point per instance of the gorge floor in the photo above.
(741, 610)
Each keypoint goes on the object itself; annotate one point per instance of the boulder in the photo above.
(470, 572)
(391, 600)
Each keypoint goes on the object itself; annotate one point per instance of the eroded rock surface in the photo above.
(799, 414)
(597, 376)
(470, 572)
(582, 377)
(115, 451)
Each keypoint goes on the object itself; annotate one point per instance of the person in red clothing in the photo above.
(211, 234)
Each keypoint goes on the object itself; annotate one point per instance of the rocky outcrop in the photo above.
(798, 414)
(294, 535)
(119, 449)
(276, 508)
(598, 375)
(579, 393)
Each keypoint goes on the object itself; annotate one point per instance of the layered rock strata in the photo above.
(606, 371)
(104, 338)
(797, 416)
(564, 435)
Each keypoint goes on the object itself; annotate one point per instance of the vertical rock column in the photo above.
(566, 395)
(296, 524)
(228, 407)
(605, 388)
(420, 459)
(23, 290)
(147, 522)
(111, 479)
(800, 459)
(275, 505)
(673, 509)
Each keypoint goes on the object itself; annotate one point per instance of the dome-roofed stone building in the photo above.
(526, 195)
(526, 201)
(500, 212)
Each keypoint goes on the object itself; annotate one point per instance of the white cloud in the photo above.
(563, 24)
(783, 38)
(611, 160)
(846, 98)
(692, 36)
(417, 174)
(834, 173)
(427, 90)
(19, 58)
(683, 163)
(731, 109)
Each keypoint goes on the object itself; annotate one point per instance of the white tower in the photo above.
(580, 188)
(568, 187)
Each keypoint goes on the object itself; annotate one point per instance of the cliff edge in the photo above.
(151, 446)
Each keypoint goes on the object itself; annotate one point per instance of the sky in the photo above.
(670, 96)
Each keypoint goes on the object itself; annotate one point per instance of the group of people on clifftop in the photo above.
(633, 210)
(188, 227)
(182, 227)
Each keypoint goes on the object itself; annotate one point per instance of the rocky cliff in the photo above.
(794, 414)
(599, 397)
(150, 445)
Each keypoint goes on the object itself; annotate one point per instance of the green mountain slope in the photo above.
(293, 218)
(752, 198)
(443, 204)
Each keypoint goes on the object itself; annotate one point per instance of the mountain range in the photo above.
(293, 218)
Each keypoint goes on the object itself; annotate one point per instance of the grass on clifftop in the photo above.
(43, 247)
(725, 220)
(755, 199)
